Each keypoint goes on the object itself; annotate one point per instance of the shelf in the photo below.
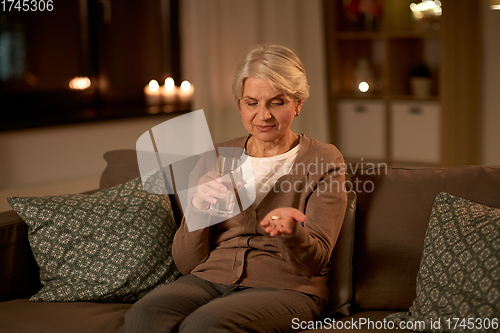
(346, 95)
(400, 97)
(392, 50)
(359, 35)
(403, 97)
(413, 35)
(371, 35)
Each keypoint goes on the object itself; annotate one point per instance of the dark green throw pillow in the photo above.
(110, 246)
(458, 284)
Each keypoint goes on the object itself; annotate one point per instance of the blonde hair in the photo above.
(278, 66)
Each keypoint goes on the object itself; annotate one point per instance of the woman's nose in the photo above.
(264, 113)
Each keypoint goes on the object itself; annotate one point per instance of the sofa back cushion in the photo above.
(393, 210)
(121, 167)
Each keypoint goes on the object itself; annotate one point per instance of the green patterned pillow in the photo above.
(113, 245)
(458, 284)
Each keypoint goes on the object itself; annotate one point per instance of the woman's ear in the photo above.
(298, 105)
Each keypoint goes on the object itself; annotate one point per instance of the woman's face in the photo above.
(266, 113)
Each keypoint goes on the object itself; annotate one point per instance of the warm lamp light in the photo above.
(363, 77)
(426, 7)
(79, 83)
(364, 86)
(495, 4)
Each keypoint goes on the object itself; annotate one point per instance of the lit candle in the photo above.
(152, 93)
(186, 92)
(168, 91)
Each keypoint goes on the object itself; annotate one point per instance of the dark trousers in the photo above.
(191, 304)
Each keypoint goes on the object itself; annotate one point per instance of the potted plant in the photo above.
(420, 80)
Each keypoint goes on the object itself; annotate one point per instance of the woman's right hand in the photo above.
(209, 188)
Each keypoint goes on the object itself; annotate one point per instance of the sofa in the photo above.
(375, 262)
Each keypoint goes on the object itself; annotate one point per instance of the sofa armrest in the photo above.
(19, 273)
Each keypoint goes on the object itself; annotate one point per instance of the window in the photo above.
(120, 45)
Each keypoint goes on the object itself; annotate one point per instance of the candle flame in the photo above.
(153, 85)
(185, 85)
(169, 83)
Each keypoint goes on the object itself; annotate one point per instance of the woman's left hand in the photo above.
(282, 221)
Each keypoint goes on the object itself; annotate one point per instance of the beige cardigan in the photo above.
(238, 251)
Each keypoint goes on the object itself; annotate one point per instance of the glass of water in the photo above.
(229, 169)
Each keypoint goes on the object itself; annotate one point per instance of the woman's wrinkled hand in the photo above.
(282, 221)
(209, 189)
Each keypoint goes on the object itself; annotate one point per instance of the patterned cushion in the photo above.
(113, 245)
(459, 275)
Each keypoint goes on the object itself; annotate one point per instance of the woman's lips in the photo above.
(265, 128)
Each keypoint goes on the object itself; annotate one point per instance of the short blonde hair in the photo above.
(278, 66)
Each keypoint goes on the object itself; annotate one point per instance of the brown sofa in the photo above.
(375, 261)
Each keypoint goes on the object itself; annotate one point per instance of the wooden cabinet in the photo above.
(362, 129)
(415, 132)
(392, 46)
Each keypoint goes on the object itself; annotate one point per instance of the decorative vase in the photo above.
(421, 87)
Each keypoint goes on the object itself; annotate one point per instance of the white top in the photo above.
(261, 173)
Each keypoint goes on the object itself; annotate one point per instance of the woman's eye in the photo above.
(277, 103)
(251, 103)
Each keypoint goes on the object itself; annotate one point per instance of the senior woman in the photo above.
(267, 267)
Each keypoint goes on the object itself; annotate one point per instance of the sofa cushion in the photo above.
(459, 275)
(22, 316)
(18, 269)
(393, 209)
(113, 245)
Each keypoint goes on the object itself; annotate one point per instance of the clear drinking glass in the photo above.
(229, 169)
